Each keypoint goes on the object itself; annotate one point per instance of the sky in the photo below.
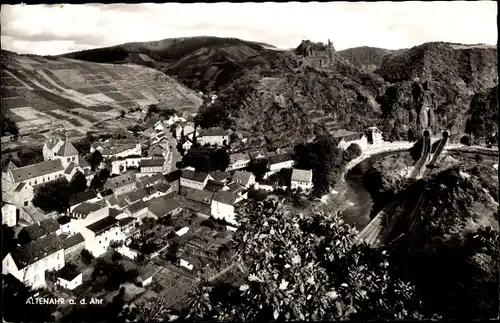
(52, 29)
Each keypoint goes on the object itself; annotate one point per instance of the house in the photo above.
(21, 178)
(121, 184)
(301, 179)
(213, 136)
(374, 136)
(117, 213)
(99, 235)
(55, 148)
(117, 201)
(281, 161)
(123, 164)
(238, 161)
(65, 224)
(127, 252)
(138, 210)
(182, 231)
(9, 217)
(110, 149)
(38, 230)
(87, 209)
(87, 196)
(161, 206)
(68, 277)
(153, 166)
(266, 185)
(200, 196)
(139, 194)
(258, 154)
(147, 273)
(161, 189)
(223, 206)
(246, 179)
(30, 262)
(196, 180)
(147, 181)
(106, 194)
(222, 177)
(215, 186)
(127, 226)
(73, 244)
(345, 138)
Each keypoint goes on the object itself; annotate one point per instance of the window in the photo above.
(73, 158)
(25, 203)
(67, 159)
(99, 241)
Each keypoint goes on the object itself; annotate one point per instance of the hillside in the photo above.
(368, 58)
(40, 94)
(442, 77)
(201, 63)
(293, 94)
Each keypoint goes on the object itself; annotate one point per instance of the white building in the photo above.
(110, 149)
(301, 179)
(345, 138)
(213, 136)
(238, 161)
(246, 179)
(196, 180)
(119, 166)
(30, 262)
(9, 214)
(279, 162)
(99, 235)
(69, 278)
(222, 206)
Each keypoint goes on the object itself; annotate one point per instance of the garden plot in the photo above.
(25, 60)
(70, 77)
(11, 82)
(92, 116)
(117, 96)
(27, 113)
(71, 118)
(100, 97)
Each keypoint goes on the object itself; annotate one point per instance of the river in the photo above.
(358, 214)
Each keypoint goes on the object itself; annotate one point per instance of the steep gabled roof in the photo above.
(228, 198)
(194, 176)
(72, 240)
(36, 250)
(280, 158)
(44, 168)
(160, 206)
(242, 177)
(50, 225)
(82, 197)
(120, 181)
(153, 162)
(82, 162)
(102, 225)
(200, 196)
(137, 206)
(300, 175)
(87, 208)
(136, 195)
(67, 149)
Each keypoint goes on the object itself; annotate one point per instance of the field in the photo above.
(40, 94)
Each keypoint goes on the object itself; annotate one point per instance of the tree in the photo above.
(207, 159)
(291, 259)
(8, 239)
(86, 257)
(9, 126)
(29, 155)
(95, 159)
(152, 310)
(53, 196)
(259, 167)
(324, 159)
(171, 254)
(353, 152)
(122, 114)
(199, 304)
(96, 182)
(479, 158)
(78, 183)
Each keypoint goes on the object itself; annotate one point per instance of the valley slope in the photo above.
(42, 94)
(291, 96)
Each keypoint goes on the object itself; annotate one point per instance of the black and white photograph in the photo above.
(250, 162)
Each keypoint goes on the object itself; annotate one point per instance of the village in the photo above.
(163, 226)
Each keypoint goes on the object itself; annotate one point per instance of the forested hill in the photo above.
(277, 94)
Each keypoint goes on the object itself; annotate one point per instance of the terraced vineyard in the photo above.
(41, 94)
